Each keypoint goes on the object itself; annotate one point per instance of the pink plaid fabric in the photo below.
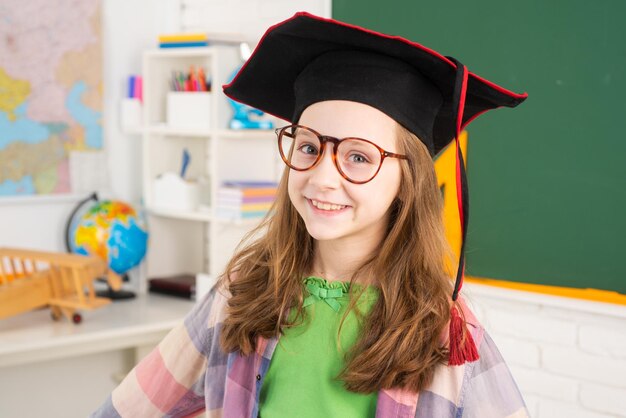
(188, 375)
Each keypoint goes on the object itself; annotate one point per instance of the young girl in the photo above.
(344, 306)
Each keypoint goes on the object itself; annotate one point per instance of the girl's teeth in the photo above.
(326, 206)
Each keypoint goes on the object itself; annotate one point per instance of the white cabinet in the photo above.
(195, 241)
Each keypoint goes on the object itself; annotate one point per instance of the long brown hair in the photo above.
(401, 340)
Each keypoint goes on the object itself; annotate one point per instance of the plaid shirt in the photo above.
(188, 375)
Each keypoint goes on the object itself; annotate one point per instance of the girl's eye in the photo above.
(358, 158)
(308, 149)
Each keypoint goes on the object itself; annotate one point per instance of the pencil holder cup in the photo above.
(189, 110)
(174, 193)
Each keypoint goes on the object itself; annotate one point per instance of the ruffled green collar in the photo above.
(321, 289)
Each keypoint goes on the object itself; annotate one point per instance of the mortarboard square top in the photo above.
(306, 59)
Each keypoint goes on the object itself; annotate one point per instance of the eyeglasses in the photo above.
(357, 160)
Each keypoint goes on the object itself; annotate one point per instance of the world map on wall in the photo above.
(50, 91)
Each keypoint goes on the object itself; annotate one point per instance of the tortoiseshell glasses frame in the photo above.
(289, 132)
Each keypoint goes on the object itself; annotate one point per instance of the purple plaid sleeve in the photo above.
(183, 376)
(491, 391)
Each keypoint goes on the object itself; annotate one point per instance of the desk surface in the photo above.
(34, 336)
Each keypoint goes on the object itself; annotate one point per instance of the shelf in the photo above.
(163, 129)
(201, 216)
(238, 222)
(246, 133)
(204, 216)
(180, 52)
(203, 242)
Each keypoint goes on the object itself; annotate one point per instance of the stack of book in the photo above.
(183, 40)
(245, 199)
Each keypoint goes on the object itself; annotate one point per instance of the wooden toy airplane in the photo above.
(64, 282)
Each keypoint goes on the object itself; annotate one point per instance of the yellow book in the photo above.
(184, 37)
(245, 207)
(251, 207)
(238, 193)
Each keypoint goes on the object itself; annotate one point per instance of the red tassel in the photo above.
(460, 354)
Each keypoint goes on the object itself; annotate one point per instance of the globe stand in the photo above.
(114, 294)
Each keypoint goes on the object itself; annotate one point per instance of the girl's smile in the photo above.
(327, 209)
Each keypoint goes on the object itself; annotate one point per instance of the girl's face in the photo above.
(366, 213)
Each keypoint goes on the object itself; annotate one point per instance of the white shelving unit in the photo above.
(196, 241)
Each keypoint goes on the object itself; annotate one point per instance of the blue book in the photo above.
(233, 199)
(250, 184)
(236, 215)
(131, 86)
(182, 44)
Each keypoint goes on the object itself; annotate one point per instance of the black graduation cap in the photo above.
(306, 59)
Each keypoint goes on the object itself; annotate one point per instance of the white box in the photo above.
(189, 109)
(204, 283)
(130, 115)
(174, 193)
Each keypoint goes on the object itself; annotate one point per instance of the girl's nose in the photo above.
(325, 173)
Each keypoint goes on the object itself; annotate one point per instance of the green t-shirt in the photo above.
(301, 379)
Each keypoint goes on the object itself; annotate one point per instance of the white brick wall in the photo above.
(568, 356)
(558, 409)
(603, 398)
(592, 339)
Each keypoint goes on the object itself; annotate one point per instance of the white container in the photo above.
(173, 193)
(130, 115)
(204, 283)
(189, 110)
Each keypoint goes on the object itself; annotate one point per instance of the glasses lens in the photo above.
(359, 160)
(299, 148)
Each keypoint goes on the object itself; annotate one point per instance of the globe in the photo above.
(113, 231)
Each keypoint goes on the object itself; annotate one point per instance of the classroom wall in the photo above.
(249, 17)
(568, 356)
(127, 29)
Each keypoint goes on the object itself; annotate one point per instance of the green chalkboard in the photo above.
(547, 179)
